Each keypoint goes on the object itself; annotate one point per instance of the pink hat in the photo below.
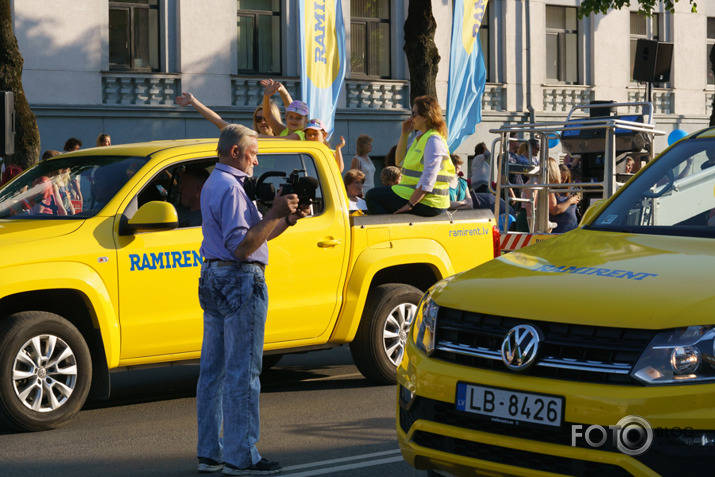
(298, 107)
(315, 124)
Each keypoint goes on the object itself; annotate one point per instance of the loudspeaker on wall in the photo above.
(644, 63)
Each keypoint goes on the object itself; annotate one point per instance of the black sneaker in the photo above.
(262, 467)
(209, 465)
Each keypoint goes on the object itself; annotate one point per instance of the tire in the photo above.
(40, 392)
(379, 343)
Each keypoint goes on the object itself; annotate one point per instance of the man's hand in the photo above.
(185, 99)
(284, 205)
(302, 211)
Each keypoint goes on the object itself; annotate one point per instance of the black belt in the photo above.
(229, 263)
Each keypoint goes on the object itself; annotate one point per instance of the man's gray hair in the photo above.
(234, 134)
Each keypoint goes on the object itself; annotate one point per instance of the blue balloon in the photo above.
(553, 140)
(675, 136)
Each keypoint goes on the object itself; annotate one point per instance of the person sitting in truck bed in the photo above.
(354, 181)
(426, 167)
(459, 196)
(562, 207)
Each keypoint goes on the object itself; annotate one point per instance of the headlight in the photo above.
(423, 326)
(678, 356)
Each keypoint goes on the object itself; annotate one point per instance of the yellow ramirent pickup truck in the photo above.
(95, 275)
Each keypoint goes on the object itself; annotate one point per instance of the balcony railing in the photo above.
(563, 98)
(494, 98)
(140, 88)
(246, 91)
(663, 100)
(379, 95)
(368, 94)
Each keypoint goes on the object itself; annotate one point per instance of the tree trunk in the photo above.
(420, 49)
(27, 136)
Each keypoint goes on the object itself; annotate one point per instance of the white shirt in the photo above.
(357, 205)
(480, 171)
(367, 168)
(435, 152)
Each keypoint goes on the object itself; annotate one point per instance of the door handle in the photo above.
(328, 243)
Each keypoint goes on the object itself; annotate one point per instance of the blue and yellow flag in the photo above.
(467, 74)
(322, 40)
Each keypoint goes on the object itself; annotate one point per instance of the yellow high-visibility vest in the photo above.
(412, 169)
(298, 132)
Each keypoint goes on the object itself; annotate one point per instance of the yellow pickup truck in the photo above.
(96, 275)
(589, 354)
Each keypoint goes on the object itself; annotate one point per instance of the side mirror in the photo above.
(151, 217)
(593, 210)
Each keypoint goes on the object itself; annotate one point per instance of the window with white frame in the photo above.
(259, 36)
(562, 58)
(711, 43)
(643, 27)
(134, 35)
(370, 44)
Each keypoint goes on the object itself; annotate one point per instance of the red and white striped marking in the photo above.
(515, 240)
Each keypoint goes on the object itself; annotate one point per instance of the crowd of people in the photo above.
(419, 175)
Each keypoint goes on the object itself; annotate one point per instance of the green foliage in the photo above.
(645, 6)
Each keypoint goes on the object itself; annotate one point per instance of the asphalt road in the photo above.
(319, 416)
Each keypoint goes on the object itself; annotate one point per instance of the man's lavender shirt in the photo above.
(227, 214)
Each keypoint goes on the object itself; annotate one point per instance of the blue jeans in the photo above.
(235, 303)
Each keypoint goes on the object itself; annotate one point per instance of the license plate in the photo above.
(511, 407)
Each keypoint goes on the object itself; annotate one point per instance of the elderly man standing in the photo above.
(233, 295)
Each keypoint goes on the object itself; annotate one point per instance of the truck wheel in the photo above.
(380, 340)
(45, 371)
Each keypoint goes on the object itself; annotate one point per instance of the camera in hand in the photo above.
(263, 192)
(303, 186)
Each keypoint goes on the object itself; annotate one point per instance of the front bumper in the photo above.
(433, 434)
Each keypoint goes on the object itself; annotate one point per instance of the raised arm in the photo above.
(270, 88)
(339, 154)
(188, 99)
(402, 143)
(285, 95)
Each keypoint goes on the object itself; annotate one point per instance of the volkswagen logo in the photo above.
(520, 347)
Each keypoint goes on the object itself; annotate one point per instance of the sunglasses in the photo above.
(258, 119)
(414, 114)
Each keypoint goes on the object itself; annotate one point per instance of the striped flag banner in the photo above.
(322, 39)
(467, 74)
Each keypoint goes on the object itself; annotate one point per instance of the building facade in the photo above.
(94, 66)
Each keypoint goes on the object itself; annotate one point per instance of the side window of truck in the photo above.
(287, 164)
(166, 186)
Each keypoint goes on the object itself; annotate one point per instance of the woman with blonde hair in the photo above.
(562, 208)
(426, 166)
(104, 140)
(362, 161)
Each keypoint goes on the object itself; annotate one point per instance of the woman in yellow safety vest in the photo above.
(426, 167)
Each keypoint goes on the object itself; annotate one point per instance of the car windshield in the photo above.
(67, 188)
(674, 196)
